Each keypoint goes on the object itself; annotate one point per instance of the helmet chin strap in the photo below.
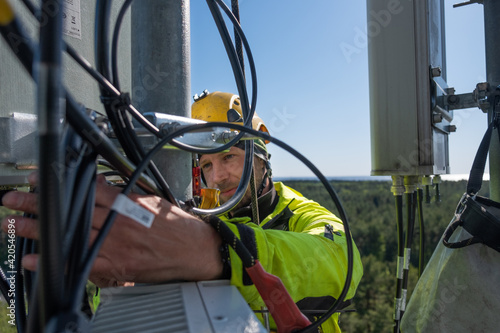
(267, 175)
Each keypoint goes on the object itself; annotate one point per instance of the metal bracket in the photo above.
(18, 137)
(481, 95)
(467, 3)
(480, 98)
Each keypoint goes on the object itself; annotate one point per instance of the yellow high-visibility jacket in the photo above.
(304, 245)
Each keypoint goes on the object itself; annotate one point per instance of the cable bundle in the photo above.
(68, 193)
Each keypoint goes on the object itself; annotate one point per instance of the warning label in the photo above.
(72, 22)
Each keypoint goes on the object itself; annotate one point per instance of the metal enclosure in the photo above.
(187, 307)
(407, 73)
(18, 151)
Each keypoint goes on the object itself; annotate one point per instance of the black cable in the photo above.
(114, 42)
(410, 206)
(112, 215)
(77, 233)
(75, 113)
(100, 142)
(106, 164)
(102, 15)
(421, 227)
(167, 193)
(251, 62)
(80, 248)
(117, 161)
(248, 110)
(238, 73)
(49, 91)
(153, 169)
(74, 155)
(120, 122)
(34, 310)
(400, 262)
(235, 9)
(113, 173)
(88, 130)
(103, 81)
(19, 295)
(111, 105)
(239, 53)
(114, 93)
(240, 191)
(4, 286)
(25, 290)
(29, 276)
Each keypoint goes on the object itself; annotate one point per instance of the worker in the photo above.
(296, 239)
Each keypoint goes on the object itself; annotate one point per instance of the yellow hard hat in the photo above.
(223, 107)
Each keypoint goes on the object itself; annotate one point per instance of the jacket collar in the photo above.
(267, 203)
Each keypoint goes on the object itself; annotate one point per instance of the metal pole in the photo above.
(161, 77)
(492, 50)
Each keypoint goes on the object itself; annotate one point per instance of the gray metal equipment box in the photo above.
(18, 123)
(407, 73)
(188, 307)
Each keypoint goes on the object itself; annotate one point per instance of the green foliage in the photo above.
(370, 208)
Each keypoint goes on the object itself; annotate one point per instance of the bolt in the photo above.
(435, 71)
(449, 91)
(451, 128)
(437, 118)
(453, 99)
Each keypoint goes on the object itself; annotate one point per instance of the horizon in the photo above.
(447, 177)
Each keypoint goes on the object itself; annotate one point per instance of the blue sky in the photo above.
(315, 97)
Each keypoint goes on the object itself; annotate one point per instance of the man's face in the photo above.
(224, 170)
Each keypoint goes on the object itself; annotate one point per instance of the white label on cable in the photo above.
(407, 258)
(72, 21)
(124, 206)
(401, 261)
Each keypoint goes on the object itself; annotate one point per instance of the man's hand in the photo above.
(178, 246)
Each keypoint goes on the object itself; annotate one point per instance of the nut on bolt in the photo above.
(451, 128)
(453, 99)
(436, 71)
(437, 118)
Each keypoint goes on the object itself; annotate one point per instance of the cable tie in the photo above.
(125, 206)
(123, 100)
(107, 99)
(397, 308)
(407, 259)
(403, 300)
(401, 266)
